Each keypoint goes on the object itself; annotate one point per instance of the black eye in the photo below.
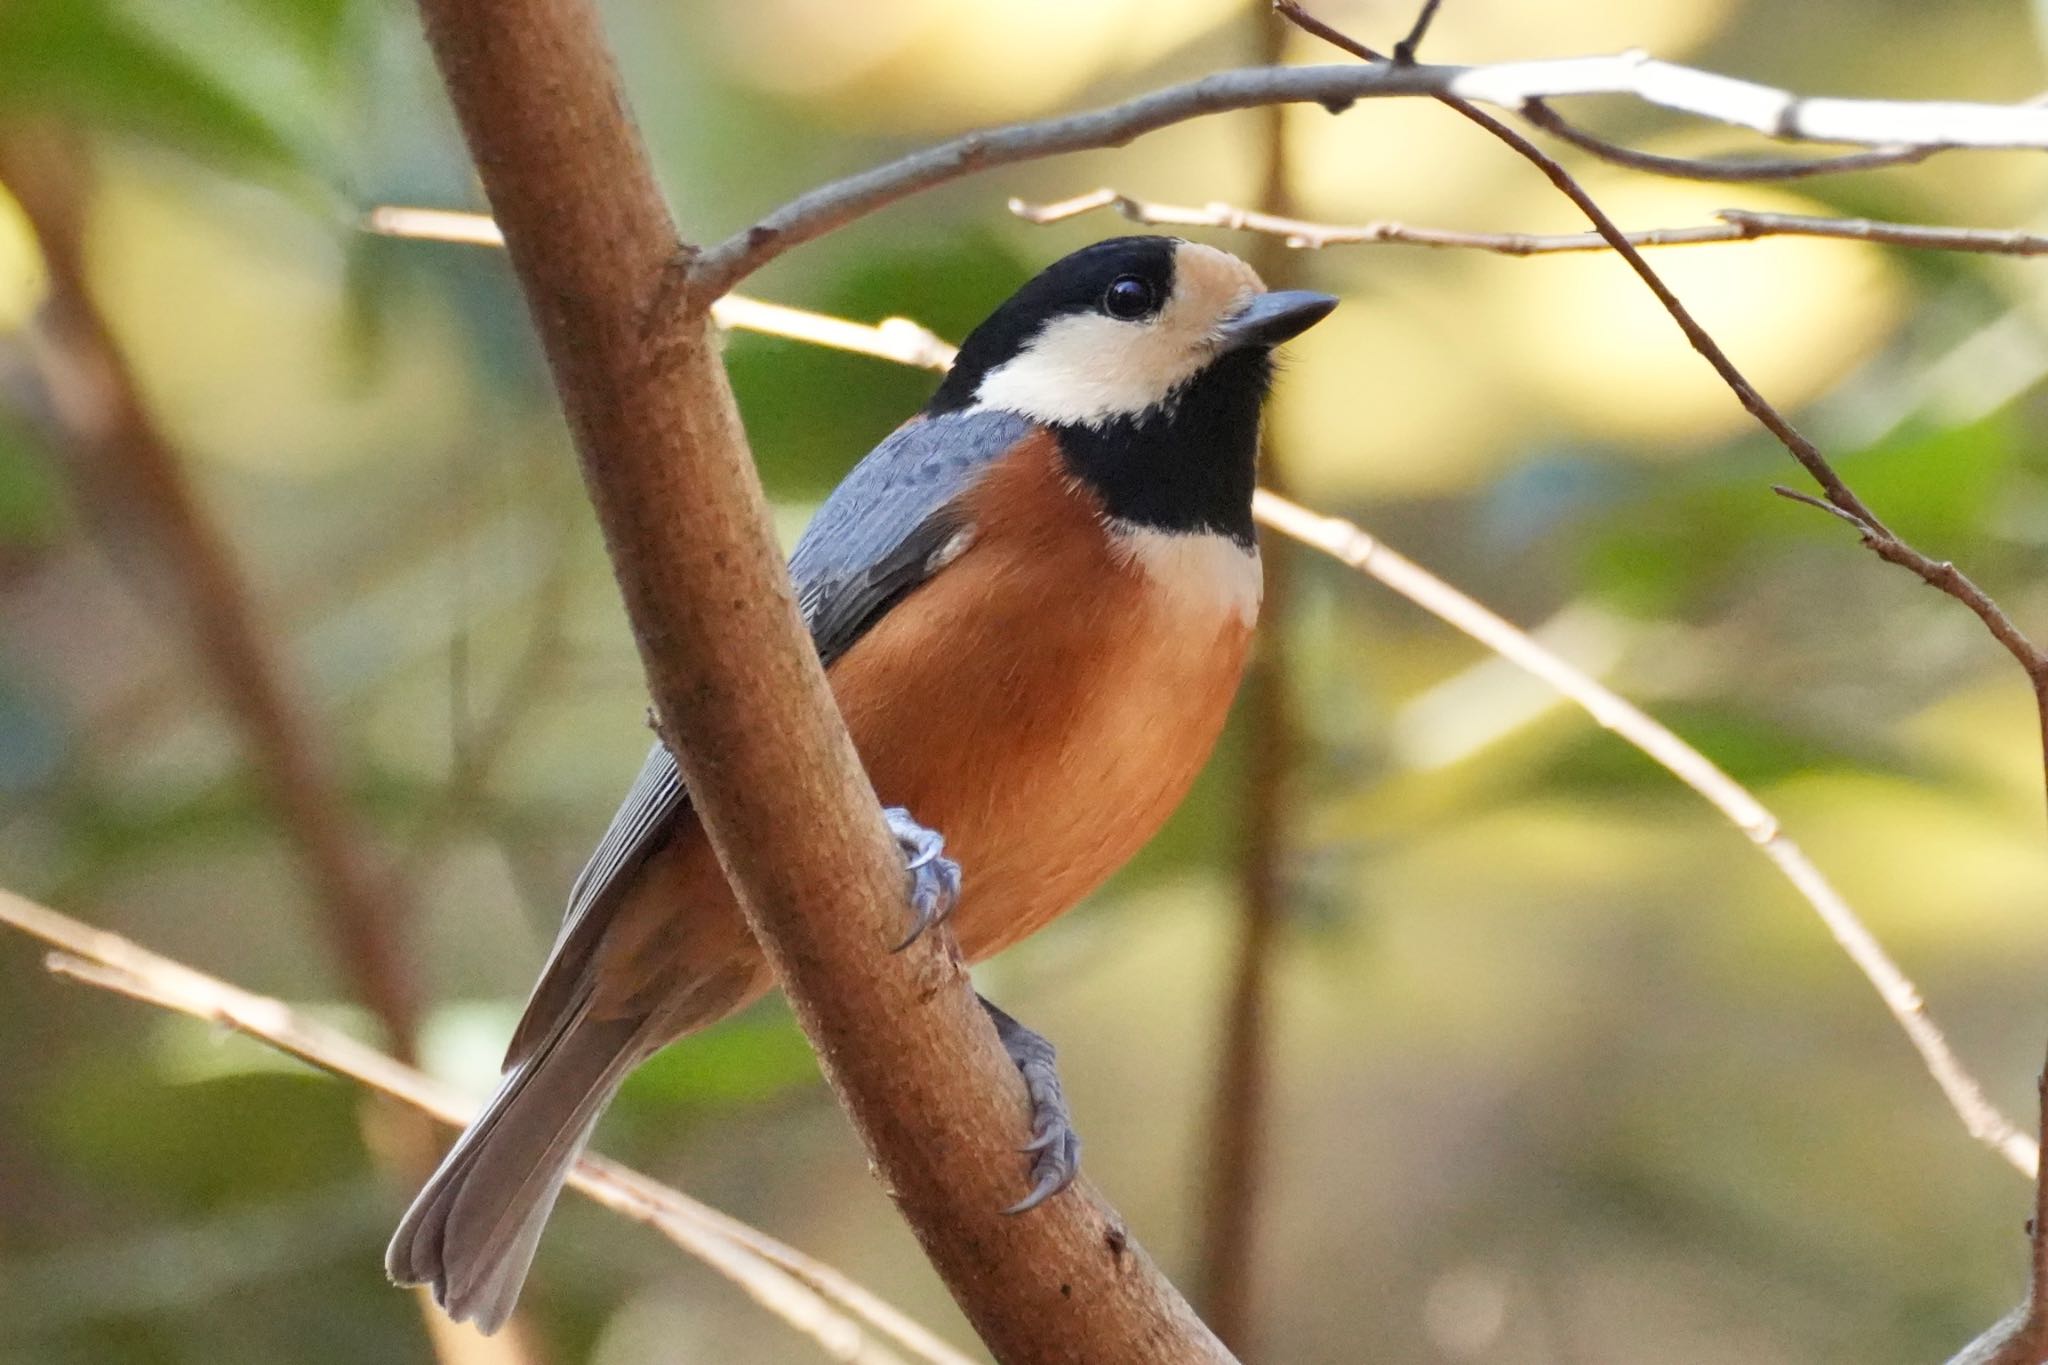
(1128, 297)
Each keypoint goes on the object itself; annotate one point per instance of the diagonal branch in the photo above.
(1887, 545)
(1346, 542)
(809, 1295)
(2021, 1338)
(742, 699)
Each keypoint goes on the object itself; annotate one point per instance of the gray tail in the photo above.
(471, 1233)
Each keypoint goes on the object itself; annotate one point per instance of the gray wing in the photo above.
(883, 531)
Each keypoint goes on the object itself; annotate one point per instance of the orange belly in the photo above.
(1042, 703)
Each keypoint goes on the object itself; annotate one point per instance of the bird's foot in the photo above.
(1055, 1146)
(934, 878)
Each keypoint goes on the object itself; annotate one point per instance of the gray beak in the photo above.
(1272, 318)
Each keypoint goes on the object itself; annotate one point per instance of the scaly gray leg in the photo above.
(1053, 1138)
(934, 878)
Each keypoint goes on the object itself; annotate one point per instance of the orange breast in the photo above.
(1042, 703)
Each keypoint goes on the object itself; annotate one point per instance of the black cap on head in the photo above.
(1076, 283)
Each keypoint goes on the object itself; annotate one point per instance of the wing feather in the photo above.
(887, 527)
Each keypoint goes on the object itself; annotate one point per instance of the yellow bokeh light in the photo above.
(1409, 158)
(908, 65)
(235, 324)
(1795, 314)
(22, 280)
(1381, 401)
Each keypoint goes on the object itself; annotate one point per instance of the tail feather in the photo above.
(471, 1234)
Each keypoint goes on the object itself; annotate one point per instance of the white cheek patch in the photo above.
(1085, 369)
(1205, 574)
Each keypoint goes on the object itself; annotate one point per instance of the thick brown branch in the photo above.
(1736, 225)
(740, 694)
(129, 476)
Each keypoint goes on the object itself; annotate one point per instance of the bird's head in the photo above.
(1150, 358)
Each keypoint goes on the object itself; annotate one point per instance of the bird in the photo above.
(1034, 602)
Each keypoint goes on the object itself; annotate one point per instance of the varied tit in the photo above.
(1034, 602)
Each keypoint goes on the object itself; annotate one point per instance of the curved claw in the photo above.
(1042, 1141)
(1055, 1144)
(934, 878)
(1049, 1184)
(1058, 1165)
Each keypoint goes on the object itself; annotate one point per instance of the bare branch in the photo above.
(781, 1279)
(1938, 574)
(1512, 85)
(897, 339)
(1346, 542)
(1736, 225)
(1747, 170)
(743, 699)
(1733, 172)
(1404, 51)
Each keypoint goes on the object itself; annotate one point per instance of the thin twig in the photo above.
(1939, 574)
(781, 1279)
(1404, 51)
(1347, 543)
(1351, 545)
(716, 270)
(1743, 171)
(1735, 172)
(1736, 225)
(897, 339)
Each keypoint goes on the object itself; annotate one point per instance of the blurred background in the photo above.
(1559, 1070)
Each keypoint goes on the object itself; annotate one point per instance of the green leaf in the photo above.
(93, 62)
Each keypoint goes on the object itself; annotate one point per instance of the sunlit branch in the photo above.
(1882, 541)
(801, 1291)
(1736, 225)
(1732, 171)
(1345, 542)
(897, 339)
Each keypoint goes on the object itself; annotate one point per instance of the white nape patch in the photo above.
(1200, 571)
(1084, 369)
